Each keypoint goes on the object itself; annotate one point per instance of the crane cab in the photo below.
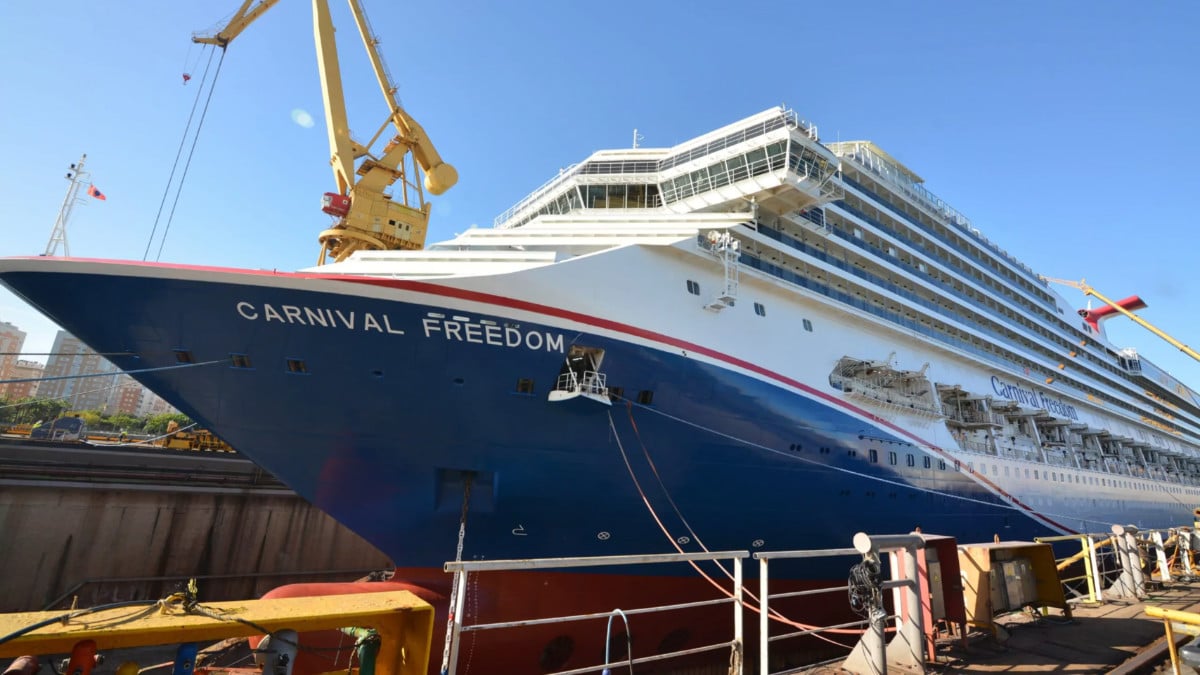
(335, 204)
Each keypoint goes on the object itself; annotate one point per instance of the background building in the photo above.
(125, 397)
(23, 370)
(12, 339)
(70, 357)
(153, 404)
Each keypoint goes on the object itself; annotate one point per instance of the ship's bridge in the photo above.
(773, 159)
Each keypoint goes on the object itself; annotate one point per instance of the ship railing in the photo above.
(1089, 585)
(590, 382)
(732, 598)
(906, 590)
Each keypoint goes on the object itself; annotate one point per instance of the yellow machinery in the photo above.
(369, 217)
(403, 622)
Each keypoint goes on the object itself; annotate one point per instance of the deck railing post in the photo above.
(739, 643)
(1095, 583)
(764, 618)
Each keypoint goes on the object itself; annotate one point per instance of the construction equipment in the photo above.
(1123, 307)
(369, 217)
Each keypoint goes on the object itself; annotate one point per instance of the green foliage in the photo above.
(123, 422)
(30, 410)
(91, 417)
(157, 424)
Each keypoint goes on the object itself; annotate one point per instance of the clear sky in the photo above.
(1064, 130)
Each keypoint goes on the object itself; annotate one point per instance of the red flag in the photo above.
(93, 192)
(186, 77)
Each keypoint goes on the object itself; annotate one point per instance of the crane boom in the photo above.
(1088, 290)
(369, 216)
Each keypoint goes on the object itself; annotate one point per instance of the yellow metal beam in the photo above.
(1088, 290)
(239, 22)
(404, 623)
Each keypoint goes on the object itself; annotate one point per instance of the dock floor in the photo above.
(1098, 638)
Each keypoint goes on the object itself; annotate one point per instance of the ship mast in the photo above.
(78, 177)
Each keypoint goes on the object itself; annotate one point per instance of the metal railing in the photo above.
(592, 382)
(736, 643)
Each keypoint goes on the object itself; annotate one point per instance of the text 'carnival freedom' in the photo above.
(461, 329)
(1033, 398)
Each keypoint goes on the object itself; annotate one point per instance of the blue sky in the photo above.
(1065, 131)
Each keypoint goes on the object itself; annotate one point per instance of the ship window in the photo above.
(616, 393)
(928, 462)
(759, 309)
(297, 366)
(645, 397)
(239, 360)
(912, 461)
(891, 458)
(941, 465)
(957, 465)
(874, 454)
(808, 325)
(693, 287)
(525, 386)
(184, 356)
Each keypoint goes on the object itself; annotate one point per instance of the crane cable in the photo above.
(191, 151)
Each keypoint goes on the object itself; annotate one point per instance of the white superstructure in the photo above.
(833, 267)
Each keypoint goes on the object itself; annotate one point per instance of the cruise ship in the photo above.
(752, 340)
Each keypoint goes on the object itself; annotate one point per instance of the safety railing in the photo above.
(871, 652)
(765, 597)
(736, 644)
(1086, 556)
(1189, 620)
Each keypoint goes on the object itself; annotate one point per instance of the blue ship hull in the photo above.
(391, 414)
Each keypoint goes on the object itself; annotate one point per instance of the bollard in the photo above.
(908, 647)
(1184, 551)
(1131, 583)
(1160, 553)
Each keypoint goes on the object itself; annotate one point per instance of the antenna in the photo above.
(637, 138)
(78, 177)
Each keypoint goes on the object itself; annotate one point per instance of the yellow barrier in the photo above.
(1087, 554)
(404, 623)
(1169, 615)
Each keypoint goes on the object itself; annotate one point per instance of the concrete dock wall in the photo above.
(54, 538)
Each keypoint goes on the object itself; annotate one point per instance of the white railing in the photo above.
(592, 382)
(734, 599)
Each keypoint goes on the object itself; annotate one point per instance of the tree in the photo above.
(157, 424)
(91, 417)
(123, 422)
(38, 409)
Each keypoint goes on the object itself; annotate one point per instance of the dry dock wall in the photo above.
(52, 538)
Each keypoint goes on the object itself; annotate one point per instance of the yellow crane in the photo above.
(1088, 290)
(369, 216)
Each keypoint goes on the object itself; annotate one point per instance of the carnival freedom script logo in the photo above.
(1034, 398)
(318, 316)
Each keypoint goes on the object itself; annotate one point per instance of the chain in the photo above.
(462, 534)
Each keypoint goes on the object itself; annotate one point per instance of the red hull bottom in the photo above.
(533, 650)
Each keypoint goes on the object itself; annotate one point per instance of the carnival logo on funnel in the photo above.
(1031, 397)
